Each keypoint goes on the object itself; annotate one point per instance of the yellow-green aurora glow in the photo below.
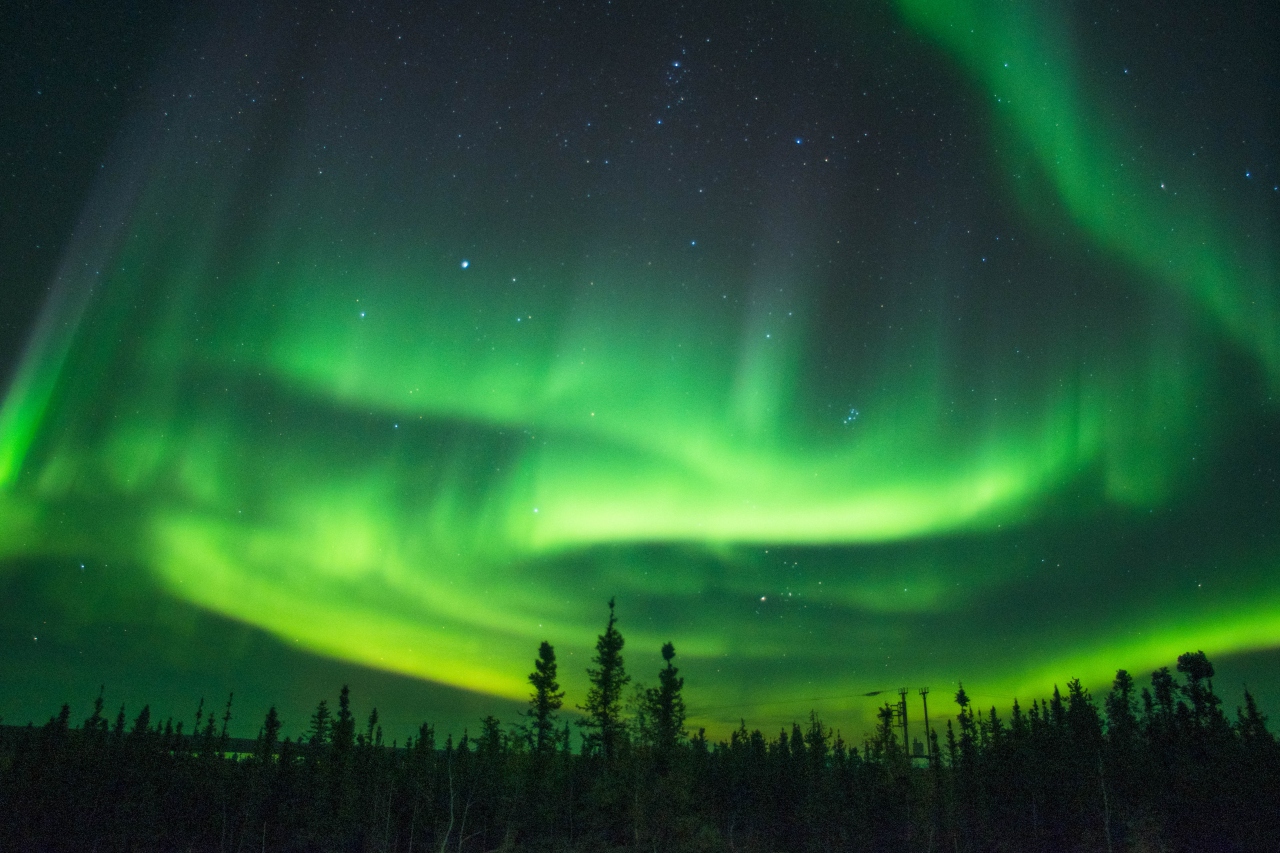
(419, 404)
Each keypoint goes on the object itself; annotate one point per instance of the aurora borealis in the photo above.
(849, 346)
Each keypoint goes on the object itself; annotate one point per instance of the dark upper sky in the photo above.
(847, 345)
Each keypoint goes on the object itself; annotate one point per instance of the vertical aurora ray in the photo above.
(809, 449)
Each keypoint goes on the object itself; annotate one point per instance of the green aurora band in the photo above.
(1020, 54)
(313, 419)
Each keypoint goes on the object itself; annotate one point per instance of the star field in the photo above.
(846, 345)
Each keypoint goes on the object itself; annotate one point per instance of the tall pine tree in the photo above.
(546, 699)
(608, 677)
(664, 706)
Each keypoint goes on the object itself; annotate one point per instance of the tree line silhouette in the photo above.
(1156, 768)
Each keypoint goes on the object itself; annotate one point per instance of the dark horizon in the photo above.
(1145, 766)
(849, 347)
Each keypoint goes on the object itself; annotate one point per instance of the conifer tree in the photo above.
(1082, 717)
(226, 721)
(268, 736)
(1057, 710)
(968, 727)
(143, 721)
(1017, 722)
(604, 700)
(953, 751)
(664, 706)
(343, 732)
(318, 734)
(1252, 724)
(209, 732)
(817, 741)
(1163, 687)
(96, 722)
(1122, 721)
(546, 699)
(195, 730)
(1198, 671)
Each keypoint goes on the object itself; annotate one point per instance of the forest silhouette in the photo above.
(1158, 767)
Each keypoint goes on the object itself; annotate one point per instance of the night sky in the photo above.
(849, 345)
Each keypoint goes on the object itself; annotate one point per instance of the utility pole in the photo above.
(928, 741)
(902, 712)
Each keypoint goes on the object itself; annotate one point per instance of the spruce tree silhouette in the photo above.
(318, 734)
(1174, 778)
(546, 699)
(268, 735)
(1206, 707)
(1252, 725)
(664, 707)
(608, 677)
(343, 731)
(1122, 718)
